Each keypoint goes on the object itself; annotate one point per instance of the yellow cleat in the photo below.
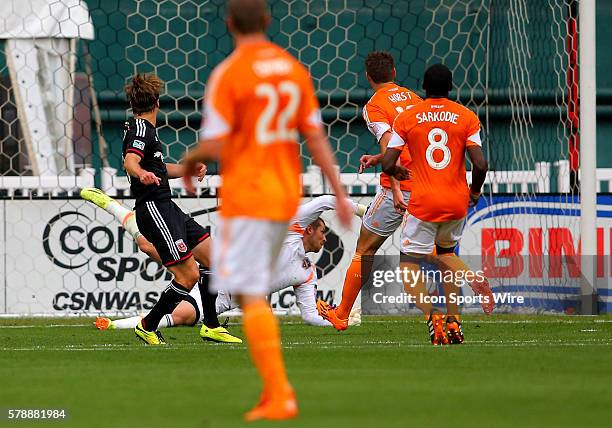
(96, 196)
(219, 334)
(103, 323)
(149, 337)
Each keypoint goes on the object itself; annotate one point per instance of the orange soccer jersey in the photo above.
(380, 113)
(437, 132)
(256, 102)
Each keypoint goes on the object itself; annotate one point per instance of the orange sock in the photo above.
(352, 284)
(263, 337)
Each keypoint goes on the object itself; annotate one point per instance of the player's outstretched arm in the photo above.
(317, 143)
(311, 210)
(207, 150)
(306, 301)
(479, 171)
(177, 170)
(132, 166)
(369, 161)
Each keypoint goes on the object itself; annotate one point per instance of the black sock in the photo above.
(168, 301)
(209, 300)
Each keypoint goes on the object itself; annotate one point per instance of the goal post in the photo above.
(588, 156)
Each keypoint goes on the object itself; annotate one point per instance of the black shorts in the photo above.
(172, 232)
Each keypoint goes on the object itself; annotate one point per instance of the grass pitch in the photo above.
(513, 371)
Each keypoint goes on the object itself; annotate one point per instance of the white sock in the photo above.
(125, 217)
(118, 210)
(130, 225)
(127, 322)
(166, 321)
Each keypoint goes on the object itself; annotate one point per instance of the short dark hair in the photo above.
(317, 223)
(248, 16)
(143, 92)
(438, 80)
(379, 66)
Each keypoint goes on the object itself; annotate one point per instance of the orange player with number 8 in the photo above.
(437, 133)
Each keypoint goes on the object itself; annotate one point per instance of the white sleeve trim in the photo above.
(475, 138)
(378, 129)
(213, 124)
(315, 120)
(396, 141)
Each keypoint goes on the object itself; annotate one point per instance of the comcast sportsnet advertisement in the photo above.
(529, 249)
(70, 257)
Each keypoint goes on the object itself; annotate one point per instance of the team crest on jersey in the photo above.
(306, 263)
(180, 245)
(159, 155)
(137, 144)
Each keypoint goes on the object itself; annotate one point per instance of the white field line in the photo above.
(47, 326)
(468, 321)
(326, 345)
(586, 320)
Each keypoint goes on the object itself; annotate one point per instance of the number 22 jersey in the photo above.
(256, 102)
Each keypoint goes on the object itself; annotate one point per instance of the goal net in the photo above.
(63, 66)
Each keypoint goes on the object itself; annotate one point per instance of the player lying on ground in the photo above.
(306, 235)
(437, 133)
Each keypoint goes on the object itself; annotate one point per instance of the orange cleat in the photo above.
(435, 323)
(274, 409)
(454, 332)
(103, 323)
(482, 288)
(328, 312)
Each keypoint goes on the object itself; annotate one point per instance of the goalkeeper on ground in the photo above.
(306, 234)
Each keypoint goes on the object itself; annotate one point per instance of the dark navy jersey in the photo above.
(140, 137)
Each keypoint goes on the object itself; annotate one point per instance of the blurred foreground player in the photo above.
(256, 102)
(437, 133)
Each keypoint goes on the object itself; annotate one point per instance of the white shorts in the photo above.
(420, 237)
(244, 254)
(293, 267)
(381, 217)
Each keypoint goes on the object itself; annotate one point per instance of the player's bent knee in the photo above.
(202, 252)
(186, 277)
(368, 242)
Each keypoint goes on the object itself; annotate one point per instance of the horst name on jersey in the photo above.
(399, 97)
